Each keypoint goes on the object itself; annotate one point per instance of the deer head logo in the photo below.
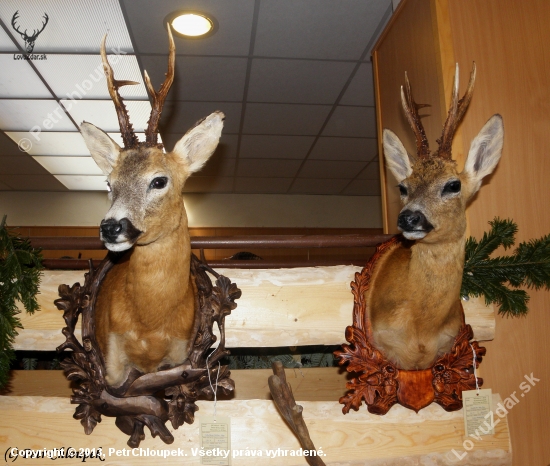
(29, 40)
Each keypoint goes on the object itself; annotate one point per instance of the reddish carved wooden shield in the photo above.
(380, 383)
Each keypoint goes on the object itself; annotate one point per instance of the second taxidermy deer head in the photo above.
(146, 305)
(414, 304)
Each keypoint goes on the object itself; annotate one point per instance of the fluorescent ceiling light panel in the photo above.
(102, 113)
(6, 44)
(53, 143)
(63, 144)
(82, 76)
(69, 165)
(75, 26)
(23, 115)
(84, 183)
(20, 81)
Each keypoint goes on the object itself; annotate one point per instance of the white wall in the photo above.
(204, 210)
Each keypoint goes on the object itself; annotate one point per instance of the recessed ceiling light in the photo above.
(192, 24)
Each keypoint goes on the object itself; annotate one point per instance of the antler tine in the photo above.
(456, 112)
(411, 112)
(159, 97)
(128, 135)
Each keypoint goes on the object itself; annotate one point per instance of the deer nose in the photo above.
(410, 221)
(110, 229)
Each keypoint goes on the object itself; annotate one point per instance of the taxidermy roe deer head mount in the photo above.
(414, 303)
(146, 305)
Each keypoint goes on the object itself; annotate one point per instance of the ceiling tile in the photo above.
(262, 185)
(20, 164)
(20, 81)
(268, 168)
(232, 37)
(219, 166)
(83, 182)
(81, 76)
(32, 182)
(330, 169)
(297, 81)
(333, 148)
(316, 186)
(7, 146)
(6, 44)
(210, 79)
(102, 113)
(38, 115)
(302, 120)
(178, 117)
(75, 26)
(352, 122)
(69, 165)
(363, 188)
(275, 147)
(371, 172)
(361, 89)
(322, 29)
(208, 184)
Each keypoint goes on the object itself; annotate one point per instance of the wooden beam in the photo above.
(279, 307)
(400, 437)
(285, 307)
(308, 383)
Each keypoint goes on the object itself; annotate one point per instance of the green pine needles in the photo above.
(499, 278)
(20, 271)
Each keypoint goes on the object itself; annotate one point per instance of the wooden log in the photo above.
(311, 383)
(400, 437)
(279, 307)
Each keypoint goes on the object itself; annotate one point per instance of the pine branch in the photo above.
(528, 266)
(20, 271)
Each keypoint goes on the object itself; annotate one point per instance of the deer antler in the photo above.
(456, 112)
(411, 112)
(128, 135)
(159, 97)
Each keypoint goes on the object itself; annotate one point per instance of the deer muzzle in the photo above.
(118, 235)
(413, 224)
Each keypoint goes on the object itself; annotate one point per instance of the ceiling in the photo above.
(294, 79)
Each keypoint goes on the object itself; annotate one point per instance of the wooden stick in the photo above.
(290, 411)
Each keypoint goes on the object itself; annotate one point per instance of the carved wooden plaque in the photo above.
(146, 399)
(380, 383)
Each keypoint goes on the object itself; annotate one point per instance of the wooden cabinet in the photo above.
(510, 42)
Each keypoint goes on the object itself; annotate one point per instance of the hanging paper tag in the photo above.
(215, 436)
(478, 416)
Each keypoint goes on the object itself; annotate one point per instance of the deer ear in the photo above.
(104, 150)
(485, 151)
(198, 144)
(396, 156)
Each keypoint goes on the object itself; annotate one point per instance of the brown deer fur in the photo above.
(145, 310)
(414, 303)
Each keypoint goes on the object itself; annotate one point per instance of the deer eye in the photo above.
(159, 183)
(452, 187)
(402, 190)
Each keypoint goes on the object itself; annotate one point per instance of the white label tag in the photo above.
(215, 436)
(478, 407)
